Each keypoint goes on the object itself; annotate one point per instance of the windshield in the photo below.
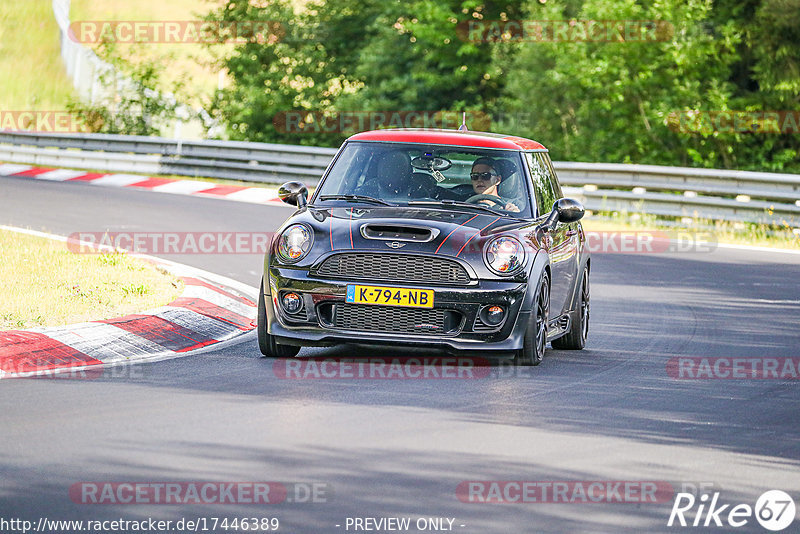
(411, 174)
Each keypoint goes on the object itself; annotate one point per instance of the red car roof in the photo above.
(449, 137)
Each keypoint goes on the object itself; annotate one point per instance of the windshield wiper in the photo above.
(357, 198)
(460, 203)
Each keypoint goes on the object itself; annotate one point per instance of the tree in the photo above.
(627, 101)
(354, 55)
(619, 99)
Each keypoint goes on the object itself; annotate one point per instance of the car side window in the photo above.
(542, 186)
(553, 176)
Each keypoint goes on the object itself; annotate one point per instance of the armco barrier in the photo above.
(252, 162)
(668, 191)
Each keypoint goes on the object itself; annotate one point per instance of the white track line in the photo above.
(176, 268)
(758, 249)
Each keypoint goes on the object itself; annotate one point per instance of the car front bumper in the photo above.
(315, 327)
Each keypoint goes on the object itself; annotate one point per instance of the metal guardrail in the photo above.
(666, 191)
(252, 162)
(714, 194)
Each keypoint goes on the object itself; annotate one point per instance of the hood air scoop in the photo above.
(399, 232)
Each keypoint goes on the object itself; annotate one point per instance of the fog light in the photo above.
(292, 302)
(493, 315)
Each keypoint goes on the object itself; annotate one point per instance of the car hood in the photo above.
(450, 232)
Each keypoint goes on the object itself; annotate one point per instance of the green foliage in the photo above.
(616, 101)
(126, 102)
(355, 56)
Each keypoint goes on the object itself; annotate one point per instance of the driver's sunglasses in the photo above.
(485, 176)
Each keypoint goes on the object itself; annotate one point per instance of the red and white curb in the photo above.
(256, 195)
(211, 309)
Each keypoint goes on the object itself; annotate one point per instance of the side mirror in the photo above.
(569, 210)
(565, 210)
(294, 193)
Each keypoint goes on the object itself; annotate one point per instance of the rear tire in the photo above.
(575, 338)
(266, 343)
(534, 342)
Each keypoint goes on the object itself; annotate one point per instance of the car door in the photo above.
(562, 250)
(570, 240)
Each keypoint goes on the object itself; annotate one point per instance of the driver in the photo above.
(485, 179)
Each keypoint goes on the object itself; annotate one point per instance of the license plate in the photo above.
(390, 296)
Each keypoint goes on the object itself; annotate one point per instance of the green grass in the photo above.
(188, 63)
(191, 64)
(32, 74)
(44, 284)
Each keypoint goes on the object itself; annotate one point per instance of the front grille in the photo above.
(393, 268)
(387, 319)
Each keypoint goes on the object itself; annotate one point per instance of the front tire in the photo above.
(575, 339)
(266, 343)
(535, 340)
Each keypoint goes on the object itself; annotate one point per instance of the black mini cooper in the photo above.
(448, 239)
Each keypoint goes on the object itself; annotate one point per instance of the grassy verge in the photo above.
(190, 64)
(33, 77)
(760, 235)
(44, 284)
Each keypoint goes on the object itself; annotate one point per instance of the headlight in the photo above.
(294, 243)
(505, 255)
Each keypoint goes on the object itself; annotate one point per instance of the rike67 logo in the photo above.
(774, 510)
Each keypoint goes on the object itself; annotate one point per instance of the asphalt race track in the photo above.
(400, 448)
